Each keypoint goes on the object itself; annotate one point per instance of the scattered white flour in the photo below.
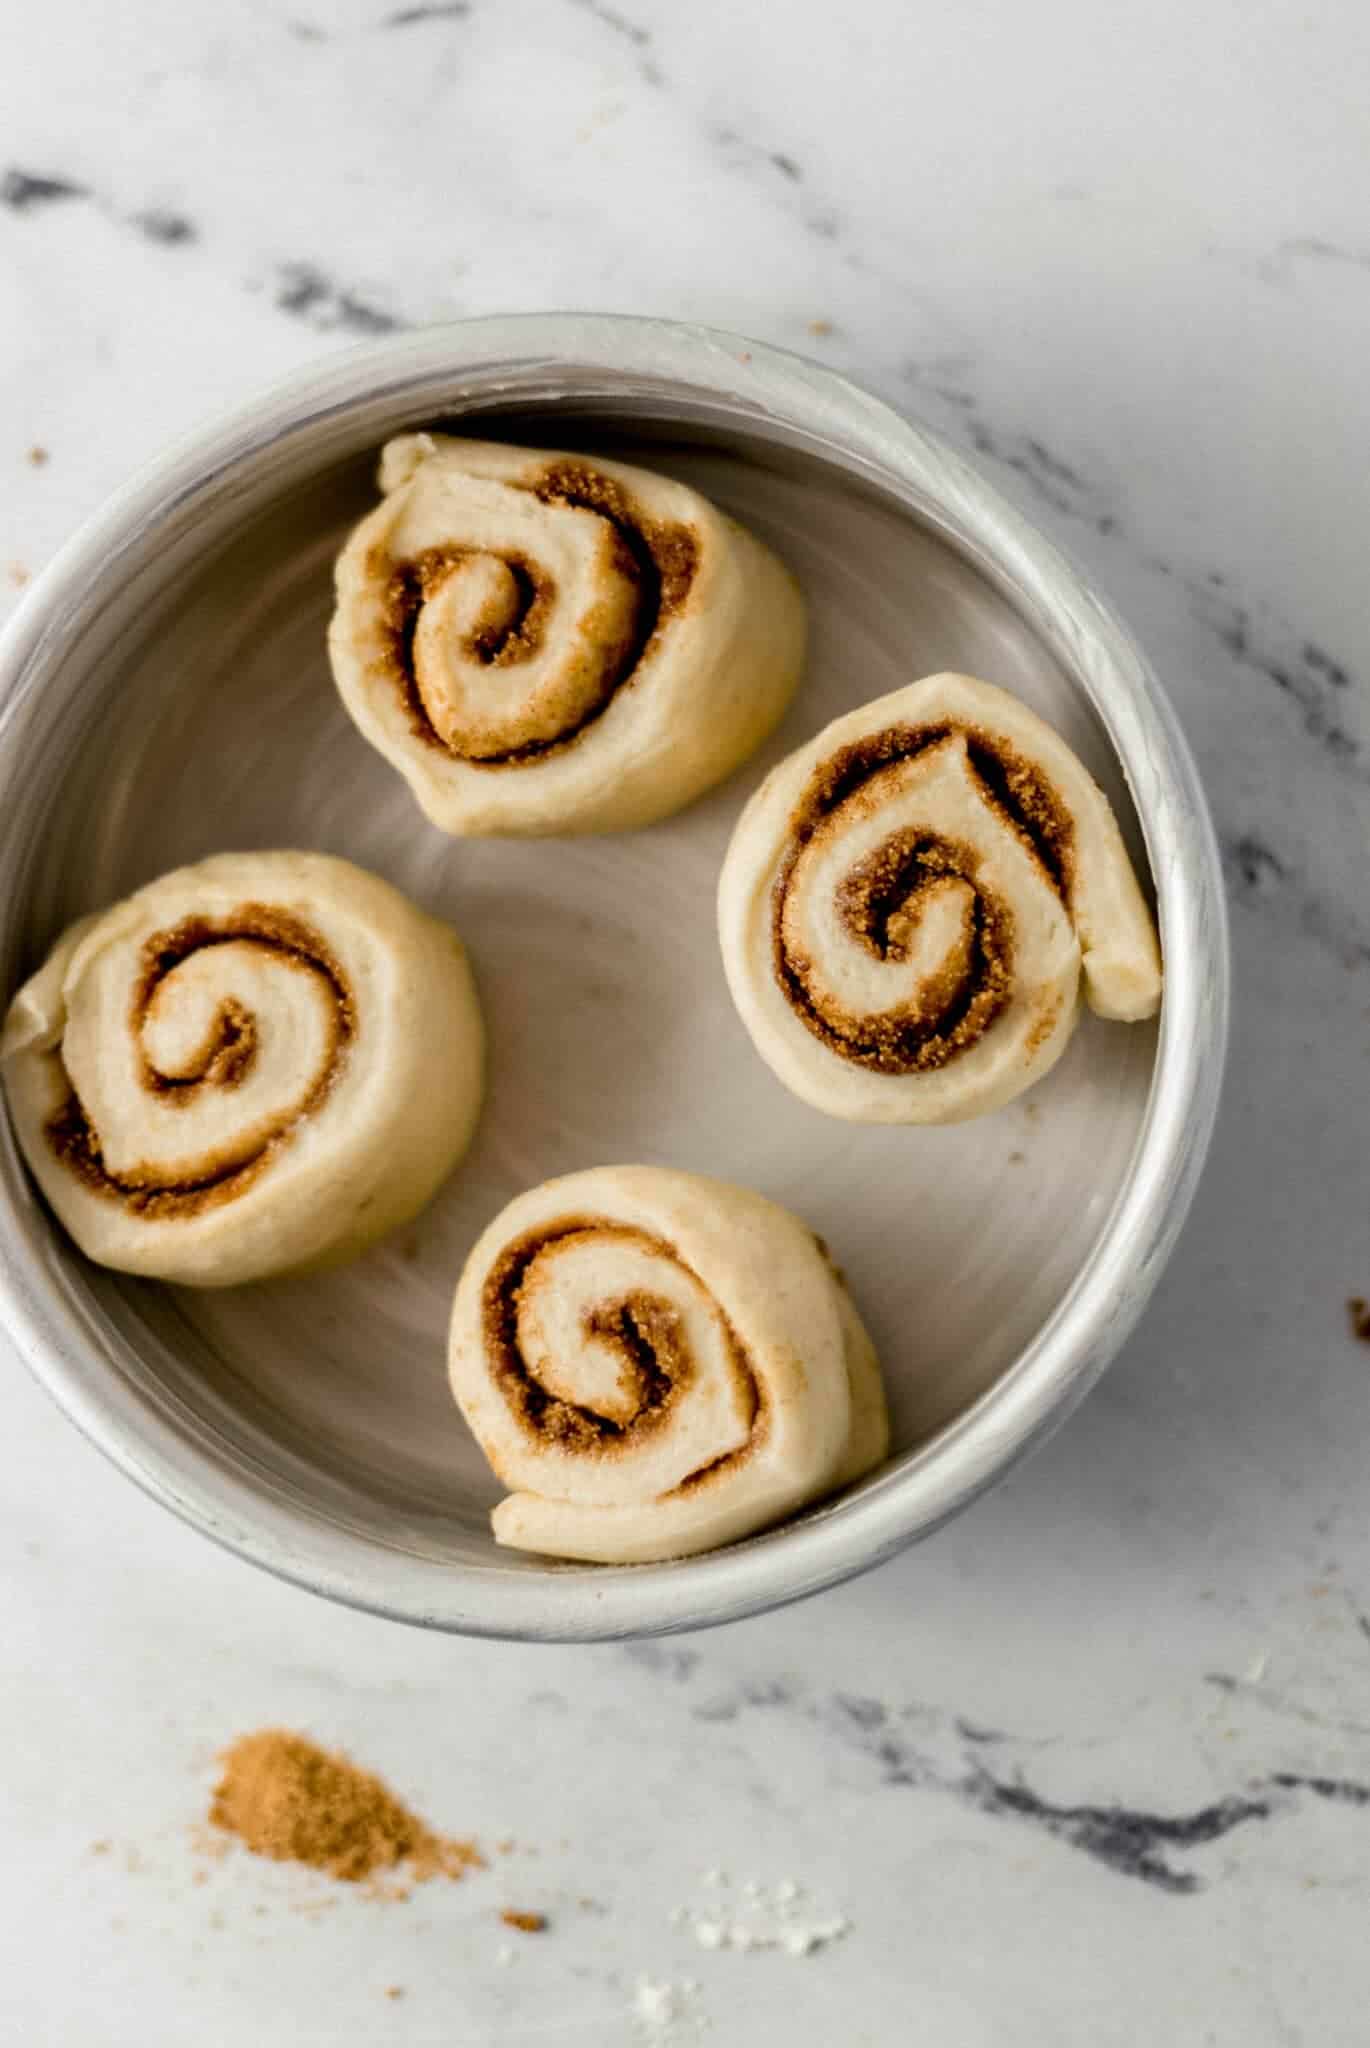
(766, 1919)
(794, 1938)
(663, 2010)
(802, 1941)
(657, 2004)
(504, 1955)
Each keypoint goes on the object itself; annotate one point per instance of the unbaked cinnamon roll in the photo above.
(655, 1364)
(260, 1063)
(910, 903)
(547, 643)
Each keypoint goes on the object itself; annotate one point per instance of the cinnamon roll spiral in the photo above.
(259, 1063)
(655, 1364)
(546, 643)
(910, 902)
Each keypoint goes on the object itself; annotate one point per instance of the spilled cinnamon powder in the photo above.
(285, 1797)
(526, 1923)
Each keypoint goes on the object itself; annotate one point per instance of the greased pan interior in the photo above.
(168, 696)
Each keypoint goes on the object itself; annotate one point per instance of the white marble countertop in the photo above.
(1092, 1766)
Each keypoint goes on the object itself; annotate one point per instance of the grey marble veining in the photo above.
(1093, 1766)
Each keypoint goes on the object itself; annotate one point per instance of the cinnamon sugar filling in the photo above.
(881, 899)
(656, 557)
(643, 1329)
(223, 1060)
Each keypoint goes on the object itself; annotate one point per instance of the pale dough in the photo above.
(910, 903)
(655, 1364)
(546, 643)
(260, 1063)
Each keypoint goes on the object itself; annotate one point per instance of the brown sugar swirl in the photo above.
(250, 1065)
(213, 1041)
(546, 642)
(457, 611)
(612, 1291)
(913, 898)
(909, 904)
(653, 1363)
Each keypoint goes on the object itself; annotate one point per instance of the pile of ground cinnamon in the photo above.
(285, 1797)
